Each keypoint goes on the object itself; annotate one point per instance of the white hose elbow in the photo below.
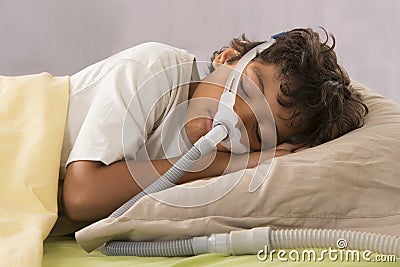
(215, 243)
(249, 242)
(209, 142)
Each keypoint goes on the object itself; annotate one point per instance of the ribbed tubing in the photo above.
(166, 181)
(177, 248)
(278, 239)
(324, 238)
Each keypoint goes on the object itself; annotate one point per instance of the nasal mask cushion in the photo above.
(225, 114)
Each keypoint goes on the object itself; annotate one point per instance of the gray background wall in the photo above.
(62, 37)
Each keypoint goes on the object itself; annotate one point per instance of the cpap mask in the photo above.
(225, 115)
(224, 130)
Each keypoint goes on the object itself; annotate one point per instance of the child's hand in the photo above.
(234, 162)
(288, 148)
(282, 149)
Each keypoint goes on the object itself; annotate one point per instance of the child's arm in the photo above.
(93, 190)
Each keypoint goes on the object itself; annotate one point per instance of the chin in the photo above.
(221, 148)
(195, 129)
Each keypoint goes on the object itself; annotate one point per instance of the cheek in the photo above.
(209, 90)
(201, 107)
(194, 126)
(206, 97)
(195, 129)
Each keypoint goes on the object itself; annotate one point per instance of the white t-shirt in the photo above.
(151, 82)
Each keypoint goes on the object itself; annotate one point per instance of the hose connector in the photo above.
(209, 142)
(242, 242)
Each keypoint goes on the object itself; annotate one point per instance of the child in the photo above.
(120, 128)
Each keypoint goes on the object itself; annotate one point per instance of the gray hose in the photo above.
(166, 181)
(175, 248)
(323, 238)
(252, 241)
(166, 248)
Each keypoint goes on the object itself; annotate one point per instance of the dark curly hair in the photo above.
(314, 86)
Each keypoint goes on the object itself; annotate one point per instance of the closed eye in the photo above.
(258, 133)
(242, 88)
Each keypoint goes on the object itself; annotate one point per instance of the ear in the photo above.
(224, 57)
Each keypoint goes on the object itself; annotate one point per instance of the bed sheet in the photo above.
(33, 110)
(65, 252)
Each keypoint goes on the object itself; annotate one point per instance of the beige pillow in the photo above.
(352, 182)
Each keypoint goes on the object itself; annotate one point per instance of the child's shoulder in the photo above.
(150, 53)
(156, 46)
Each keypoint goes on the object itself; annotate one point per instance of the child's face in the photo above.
(261, 84)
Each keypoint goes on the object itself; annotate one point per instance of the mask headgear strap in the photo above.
(225, 114)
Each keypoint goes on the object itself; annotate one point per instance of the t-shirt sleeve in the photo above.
(126, 105)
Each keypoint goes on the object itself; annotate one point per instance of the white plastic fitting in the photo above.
(241, 242)
(209, 142)
(252, 241)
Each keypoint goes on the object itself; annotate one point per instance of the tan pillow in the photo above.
(352, 182)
